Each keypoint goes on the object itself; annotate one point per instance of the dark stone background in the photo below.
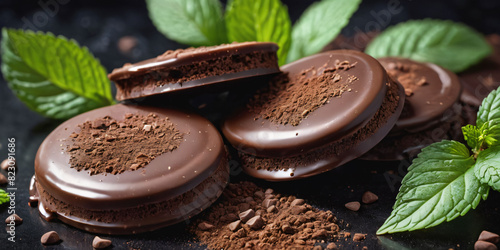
(100, 24)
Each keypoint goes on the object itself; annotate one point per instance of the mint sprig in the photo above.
(192, 22)
(454, 46)
(447, 179)
(196, 23)
(261, 21)
(4, 198)
(52, 75)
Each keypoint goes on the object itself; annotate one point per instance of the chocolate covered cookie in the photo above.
(184, 69)
(127, 169)
(322, 112)
(431, 113)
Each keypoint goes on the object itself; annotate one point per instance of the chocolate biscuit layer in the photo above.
(188, 68)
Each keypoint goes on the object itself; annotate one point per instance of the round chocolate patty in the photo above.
(280, 136)
(168, 183)
(184, 69)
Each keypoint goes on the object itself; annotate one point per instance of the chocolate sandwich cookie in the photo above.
(481, 79)
(322, 112)
(127, 169)
(431, 113)
(184, 69)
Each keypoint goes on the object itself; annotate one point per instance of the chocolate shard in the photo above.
(246, 215)
(99, 243)
(14, 218)
(369, 197)
(235, 225)
(50, 238)
(489, 236)
(353, 205)
(484, 245)
(255, 222)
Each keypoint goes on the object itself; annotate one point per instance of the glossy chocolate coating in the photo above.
(426, 106)
(332, 121)
(192, 57)
(167, 176)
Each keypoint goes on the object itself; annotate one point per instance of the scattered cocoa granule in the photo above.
(99, 243)
(489, 236)
(484, 245)
(290, 100)
(14, 217)
(359, 237)
(277, 221)
(105, 145)
(353, 205)
(369, 197)
(50, 238)
(406, 75)
(3, 179)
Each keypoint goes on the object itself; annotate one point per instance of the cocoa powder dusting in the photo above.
(289, 100)
(407, 75)
(248, 216)
(105, 145)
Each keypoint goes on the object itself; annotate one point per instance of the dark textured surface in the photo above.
(99, 25)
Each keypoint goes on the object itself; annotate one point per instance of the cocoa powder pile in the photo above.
(288, 100)
(407, 75)
(248, 216)
(105, 145)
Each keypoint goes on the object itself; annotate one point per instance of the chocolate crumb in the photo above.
(331, 246)
(246, 215)
(369, 197)
(99, 243)
(276, 229)
(484, 245)
(50, 238)
(353, 205)
(489, 236)
(205, 226)
(105, 145)
(297, 202)
(359, 237)
(15, 218)
(3, 179)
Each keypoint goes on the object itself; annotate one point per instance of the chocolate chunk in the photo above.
(484, 245)
(353, 205)
(297, 202)
(15, 218)
(99, 243)
(50, 238)
(489, 236)
(269, 202)
(272, 209)
(246, 215)
(235, 225)
(255, 222)
(259, 194)
(6, 164)
(359, 237)
(331, 246)
(369, 197)
(298, 209)
(3, 179)
(205, 226)
(319, 234)
(229, 217)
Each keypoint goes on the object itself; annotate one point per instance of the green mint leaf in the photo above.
(473, 137)
(454, 46)
(487, 168)
(261, 21)
(53, 76)
(488, 118)
(319, 25)
(3, 197)
(440, 186)
(192, 22)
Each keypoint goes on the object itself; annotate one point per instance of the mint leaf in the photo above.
(454, 46)
(191, 22)
(3, 197)
(473, 136)
(487, 167)
(52, 75)
(319, 25)
(261, 21)
(488, 118)
(440, 186)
